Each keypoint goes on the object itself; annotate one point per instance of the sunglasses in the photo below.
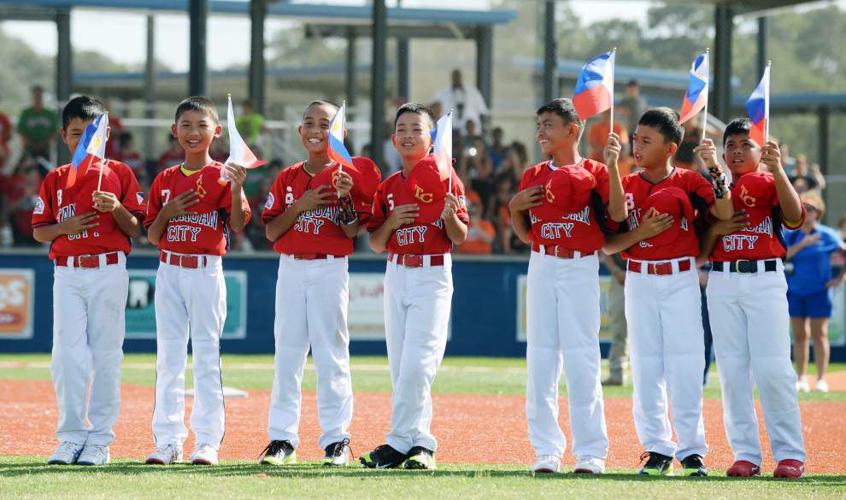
(809, 208)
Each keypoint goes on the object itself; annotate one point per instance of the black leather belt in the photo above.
(745, 266)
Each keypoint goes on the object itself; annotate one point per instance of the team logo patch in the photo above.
(424, 197)
(139, 196)
(39, 206)
(270, 201)
(201, 191)
(747, 199)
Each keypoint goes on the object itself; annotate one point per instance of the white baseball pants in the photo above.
(751, 329)
(189, 302)
(563, 318)
(417, 308)
(664, 319)
(311, 310)
(89, 307)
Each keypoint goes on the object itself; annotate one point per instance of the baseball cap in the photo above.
(567, 190)
(754, 192)
(673, 201)
(426, 189)
(326, 178)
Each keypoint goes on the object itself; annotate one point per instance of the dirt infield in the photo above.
(470, 428)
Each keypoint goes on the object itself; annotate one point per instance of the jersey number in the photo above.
(165, 196)
(59, 197)
(391, 202)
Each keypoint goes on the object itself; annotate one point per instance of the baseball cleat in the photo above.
(694, 465)
(420, 458)
(204, 454)
(336, 454)
(165, 455)
(66, 454)
(93, 455)
(802, 385)
(383, 457)
(789, 469)
(656, 464)
(547, 464)
(279, 452)
(822, 386)
(589, 465)
(743, 468)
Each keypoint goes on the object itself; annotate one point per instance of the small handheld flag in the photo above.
(758, 108)
(91, 145)
(336, 150)
(594, 91)
(239, 152)
(443, 147)
(696, 97)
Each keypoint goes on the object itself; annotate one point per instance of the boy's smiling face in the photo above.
(195, 131)
(412, 135)
(553, 133)
(314, 129)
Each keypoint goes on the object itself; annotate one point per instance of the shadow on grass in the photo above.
(319, 472)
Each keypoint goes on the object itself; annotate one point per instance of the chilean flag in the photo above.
(239, 153)
(758, 107)
(443, 146)
(595, 87)
(336, 149)
(697, 90)
(91, 146)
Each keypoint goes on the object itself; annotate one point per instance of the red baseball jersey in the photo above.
(56, 202)
(755, 192)
(205, 230)
(638, 189)
(582, 230)
(417, 238)
(318, 230)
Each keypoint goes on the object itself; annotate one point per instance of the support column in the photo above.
(198, 14)
(377, 82)
(150, 88)
(64, 70)
(484, 63)
(258, 12)
(550, 53)
(763, 48)
(724, 21)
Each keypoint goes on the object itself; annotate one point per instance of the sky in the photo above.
(121, 35)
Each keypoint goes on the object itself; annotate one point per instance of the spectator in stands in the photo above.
(21, 194)
(810, 248)
(127, 153)
(507, 241)
(480, 233)
(466, 102)
(38, 126)
(250, 123)
(174, 155)
(116, 126)
(598, 136)
(807, 178)
(437, 110)
(632, 106)
(472, 133)
(789, 161)
(5, 137)
(477, 166)
(514, 163)
(497, 148)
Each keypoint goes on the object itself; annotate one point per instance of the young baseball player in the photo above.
(311, 218)
(89, 232)
(662, 295)
(189, 215)
(560, 210)
(417, 218)
(747, 302)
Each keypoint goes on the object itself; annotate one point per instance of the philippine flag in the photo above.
(595, 87)
(443, 146)
(697, 89)
(336, 149)
(758, 107)
(239, 152)
(92, 145)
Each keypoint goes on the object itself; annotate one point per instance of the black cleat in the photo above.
(383, 457)
(694, 466)
(656, 464)
(279, 453)
(420, 458)
(336, 454)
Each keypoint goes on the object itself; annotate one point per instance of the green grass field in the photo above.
(458, 375)
(30, 477)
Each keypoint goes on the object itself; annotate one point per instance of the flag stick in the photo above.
(613, 77)
(767, 102)
(449, 190)
(707, 92)
(102, 162)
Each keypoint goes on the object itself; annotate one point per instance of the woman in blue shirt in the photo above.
(810, 249)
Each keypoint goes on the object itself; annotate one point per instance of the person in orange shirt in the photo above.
(480, 233)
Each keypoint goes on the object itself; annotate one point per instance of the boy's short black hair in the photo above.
(737, 126)
(564, 108)
(83, 107)
(416, 108)
(320, 102)
(197, 103)
(666, 121)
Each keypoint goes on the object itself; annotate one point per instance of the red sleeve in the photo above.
(524, 181)
(379, 210)
(602, 183)
(132, 196)
(458, 191)
(275, 204)
(44, 212)
(700, 187)
(154, 202)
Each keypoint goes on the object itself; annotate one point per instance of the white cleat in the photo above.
(822, 386)
(93, 454)
(165, 455)
(802, 385)
(204, 454)
(589, 465)
(66, 454)
(547, 464)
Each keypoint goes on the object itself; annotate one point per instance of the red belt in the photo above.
(88, 261)
(411, 260)
(663, 268)
(559, 251)
(315, 256)
(186, 261)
